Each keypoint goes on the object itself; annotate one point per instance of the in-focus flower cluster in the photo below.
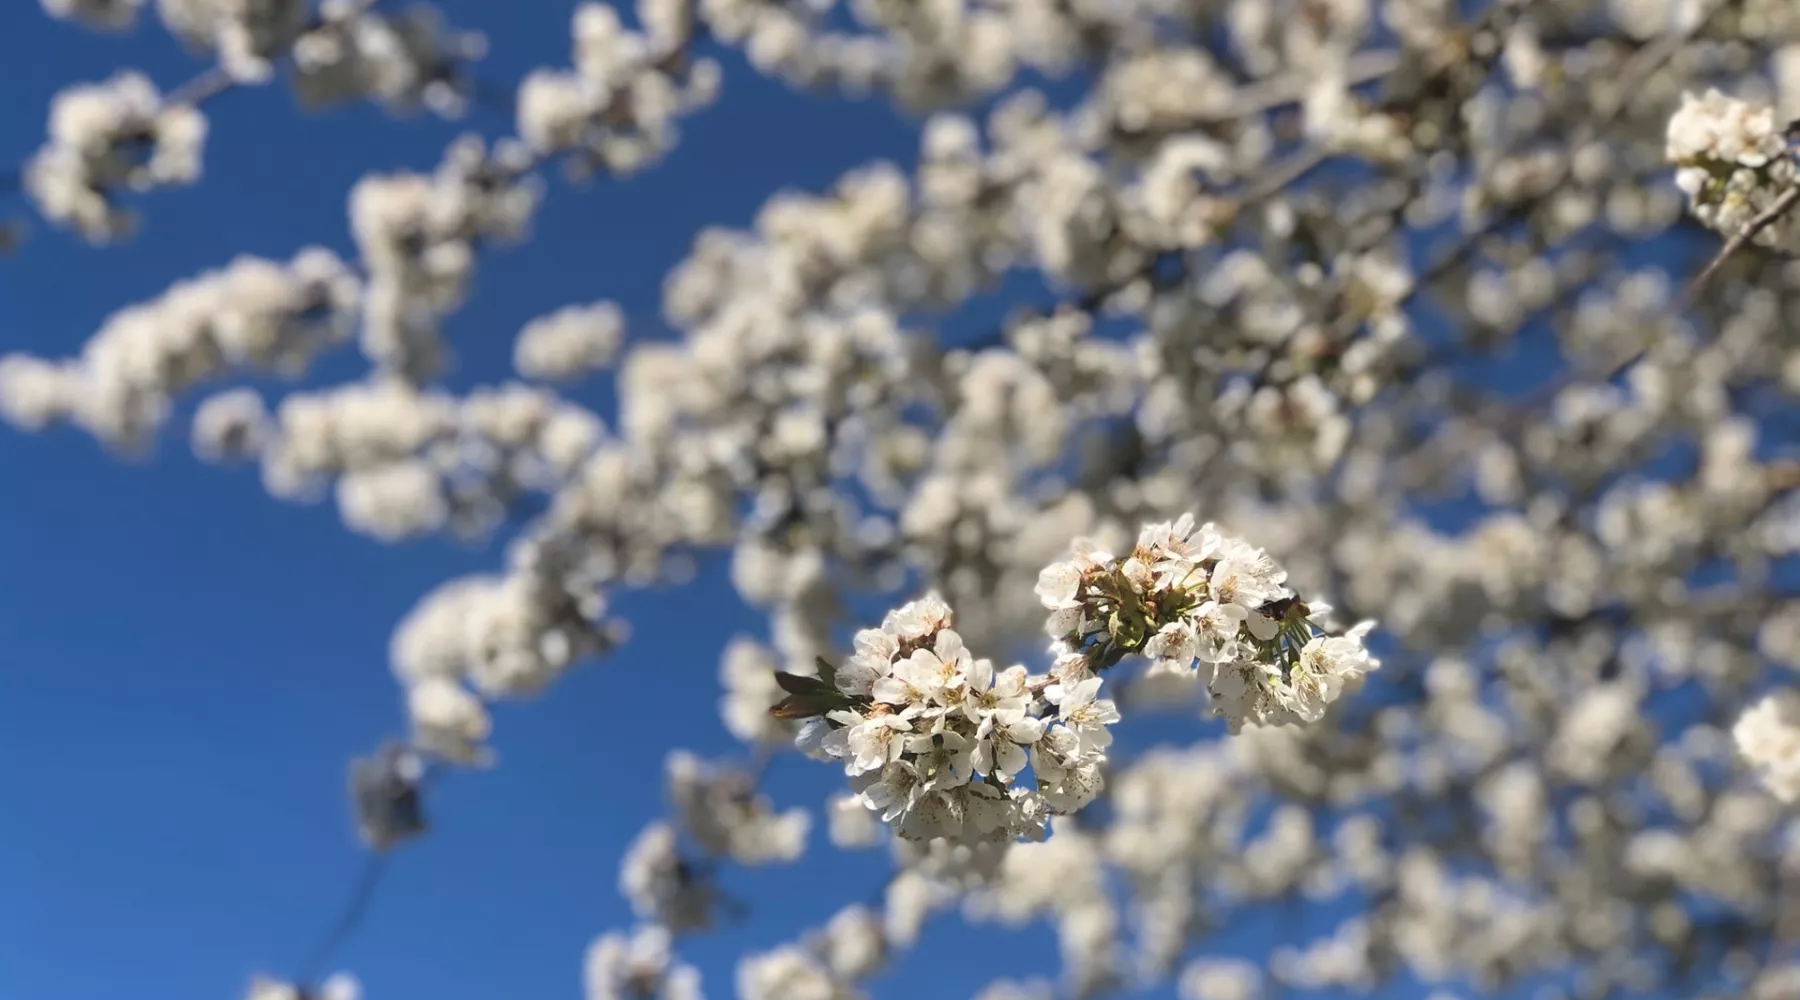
(1733, 163)
(1201, 603)
(934, 739)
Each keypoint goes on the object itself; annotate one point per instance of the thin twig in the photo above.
(1768, 217)
(356, 906)
(202, 88)
(1264, 96)
(1639, 68)
(1289, 172)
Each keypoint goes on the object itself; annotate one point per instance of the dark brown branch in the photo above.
(1768, 217)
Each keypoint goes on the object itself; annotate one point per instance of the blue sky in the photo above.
(187, 664)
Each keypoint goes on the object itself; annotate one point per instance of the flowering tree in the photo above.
(1283, 236)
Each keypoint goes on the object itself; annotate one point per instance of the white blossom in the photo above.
(1191, 598)
(447, 719)
(1768, 737)
(246, 34)
(337, 986)
(638, 966)
(108, 137)
(660, 885)
(1733, 162)
(570, 342)
(106, 14)
(931, 736)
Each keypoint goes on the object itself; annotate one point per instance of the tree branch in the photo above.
(1768, 217)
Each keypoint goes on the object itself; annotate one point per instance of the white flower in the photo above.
(940, 717)
(747, 673)
(999, 743)
(1246, 691)
(1067, 669)
(895, 789)
(853, 943)
(787, 973)
(1176, 644)
(917, 619)
(660, 885)
(872, 660)
(941, 758)
(817, 739)
(337, 986)
(932, 676)
(850, 824)
(1087, 716)
(1068, 778)
(1245, 576)
(447, 719)
(1768, 737)
(1325, 665)
(1216, 627)
(873, 742)
(937, 813)
(989, 692)
(639, 967)
(1058, 584)
(570, 342)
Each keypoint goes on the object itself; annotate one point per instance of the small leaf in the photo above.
(827, 672)
(792, 707)
(796, 684)
(802, 706)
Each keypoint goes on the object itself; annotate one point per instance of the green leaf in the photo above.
(827, 672)
(801, 706)
(798, 685)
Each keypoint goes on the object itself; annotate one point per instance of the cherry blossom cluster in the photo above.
(418, 235)
(339, 986)
(1198, 602)
(108, 138)
(403, 60)
(1768, 738)
(638, 966)
(481, 638)
(717, 816)
(827, 963)
(616, 109)
(253, 314)
(662, 885)
(719, 807)
(106, 14)
(934, 739)
(570, 342)
(246, 36)
(1732, 161)
(401, 461)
